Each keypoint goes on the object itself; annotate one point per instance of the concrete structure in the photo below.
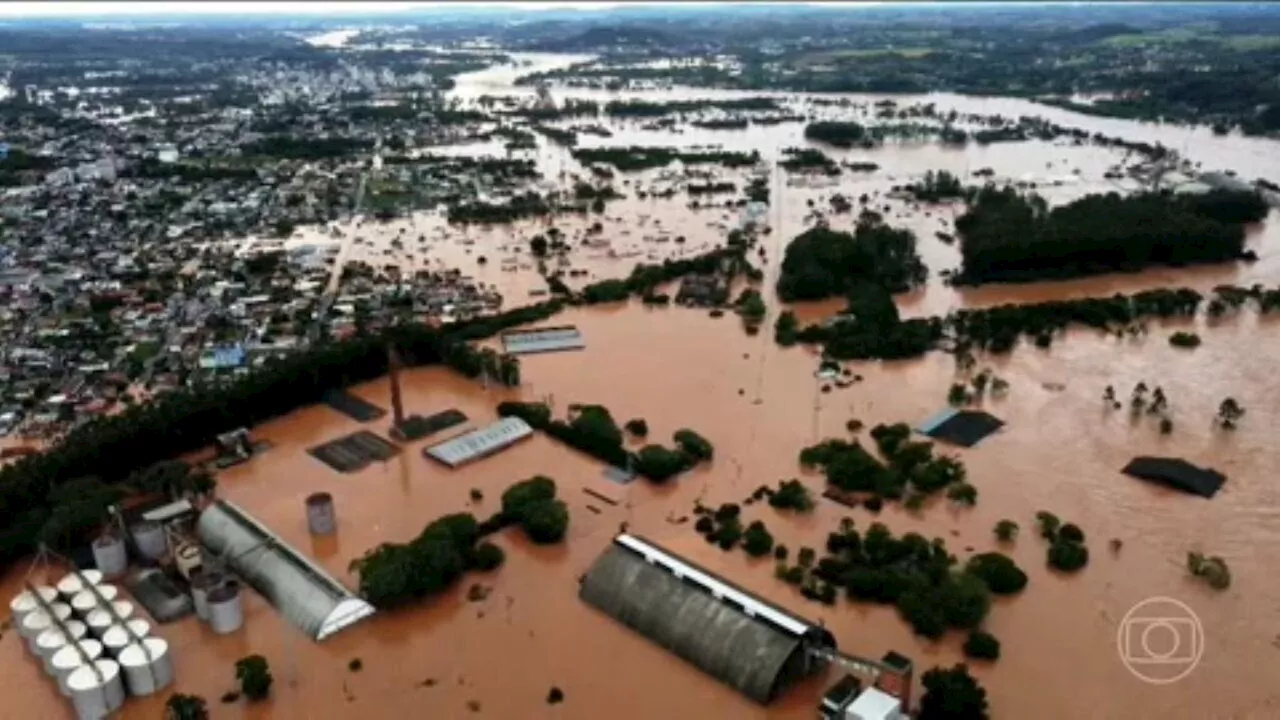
(307, 595)
(225, 608)
(320, 515)
(745, 642)
(479, 443)
(110, 555)
(86, 600)
(551, 339)
(73, 582)
(874, 704)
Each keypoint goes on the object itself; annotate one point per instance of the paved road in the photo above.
(339, 262)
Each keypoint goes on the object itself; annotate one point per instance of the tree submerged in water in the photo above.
(254, 676)
(1229, 414)
(1212, 570)
(186, 707)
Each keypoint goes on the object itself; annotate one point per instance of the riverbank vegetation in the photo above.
(1006, 236)
(592, 430)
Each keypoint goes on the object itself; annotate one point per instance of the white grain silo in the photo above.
(66, 660)
(148, 668)
(34, 623)
(99, 619)
(74, 581)
(50, 641)
(86, 600)
(226, 609)
(321, 519)
(24, 602)
(96, 691)
(110, 555)
(201, 584)
(117, 637)
(150, 538)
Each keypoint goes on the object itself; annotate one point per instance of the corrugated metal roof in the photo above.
(307, 595)
(478, 443)
(737, 638)
(544, 340)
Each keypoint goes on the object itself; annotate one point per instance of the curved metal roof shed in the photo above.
(753, 646)
(307, 595)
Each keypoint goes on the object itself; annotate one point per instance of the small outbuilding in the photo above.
(756, 647)
(965, 428)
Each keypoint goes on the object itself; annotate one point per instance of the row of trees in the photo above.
(396, 574)
(635, 158)
(592, 429)
(646, 278)
(112, 449)
(1007, 236)
(871, 328)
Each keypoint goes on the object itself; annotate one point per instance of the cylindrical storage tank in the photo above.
(226, 613)
(148, 669)
(152, 543)
(74, 582)
(187, 557)
(96, 691)
(25, 603)
(34, 623)
(86, 600)
(50, 641)
(66, 660)
(201, 584)
(118, 637)
(99, 619)
(110, 555)
(321, 519)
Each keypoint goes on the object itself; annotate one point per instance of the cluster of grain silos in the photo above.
(88, 640)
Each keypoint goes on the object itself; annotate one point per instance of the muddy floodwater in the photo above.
(760, 404)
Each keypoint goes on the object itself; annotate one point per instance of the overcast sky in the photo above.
(74, 9)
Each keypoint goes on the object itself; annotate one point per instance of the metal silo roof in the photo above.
(307, 595)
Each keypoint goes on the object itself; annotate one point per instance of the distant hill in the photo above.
(605, 37)
(1096, 33)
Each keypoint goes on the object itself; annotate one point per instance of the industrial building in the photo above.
(743, 641)
(550, 339)
(307, 595)
(479, 443)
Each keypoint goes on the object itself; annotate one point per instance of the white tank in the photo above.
(148, 669)
(201, 584)
(96, 691)
(110, 555)
(86, 600)
(151, 540)
(24, 602)
(226, 611)
(66, 660)
(99, 619)
(34, 623)
(71, 584)
(187, 557)
(116, 637)
(54, 639)
(321, 519)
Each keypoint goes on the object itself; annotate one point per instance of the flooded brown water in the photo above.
(759, 404)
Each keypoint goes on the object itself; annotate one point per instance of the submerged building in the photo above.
(302, 591)
(745, 642)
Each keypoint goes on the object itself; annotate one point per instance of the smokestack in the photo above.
(393, 370)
